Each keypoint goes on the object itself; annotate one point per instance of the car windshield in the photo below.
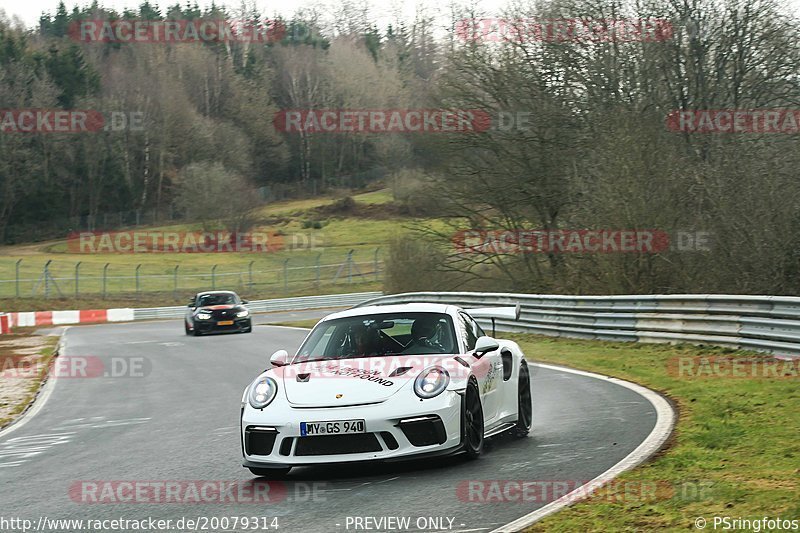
(216, 299)
(379, 335)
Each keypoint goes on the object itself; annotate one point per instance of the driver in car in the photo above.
(364, 340)
(423, 333)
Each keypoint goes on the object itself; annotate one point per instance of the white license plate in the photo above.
(334, 427)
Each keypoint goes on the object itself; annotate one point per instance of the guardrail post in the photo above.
(175, 281)
(77, 278)
(105, 280)
(16, 282)
(286, 274)
(137, 278)
(214, 277)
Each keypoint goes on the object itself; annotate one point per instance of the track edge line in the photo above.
(665, 423)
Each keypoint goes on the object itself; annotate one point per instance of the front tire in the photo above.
(524, 403)
(186, 328)
(270, 472)
(472, 421)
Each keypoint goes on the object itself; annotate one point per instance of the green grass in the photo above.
(305, 248)
(736, 440)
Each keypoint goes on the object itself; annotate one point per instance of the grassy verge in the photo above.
(16, 392)
(735, 452)
(166, 299)
(310, 323)
(317, 237)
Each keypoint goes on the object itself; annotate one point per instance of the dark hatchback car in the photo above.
(217, 311)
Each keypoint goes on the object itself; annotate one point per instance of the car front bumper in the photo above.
(208, 326)
(396, 429)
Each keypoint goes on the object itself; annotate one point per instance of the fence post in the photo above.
(250, 275)
(175, 282)
(286, 274)
(214, 277)
(137, 279)
(350, 266)
(319, 258)
(105, 280)
(16, 283)
(377, 277)
(46, 275)
(77, 278)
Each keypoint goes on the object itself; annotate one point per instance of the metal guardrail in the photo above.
(263, 306)
(763, 323)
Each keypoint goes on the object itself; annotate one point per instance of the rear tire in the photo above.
(524, 403)
(273, 473)
(472, 422)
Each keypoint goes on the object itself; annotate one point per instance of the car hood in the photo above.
(338, 383)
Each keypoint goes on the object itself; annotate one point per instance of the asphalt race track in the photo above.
(176, 419)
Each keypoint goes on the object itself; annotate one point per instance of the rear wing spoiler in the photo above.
(508, 313)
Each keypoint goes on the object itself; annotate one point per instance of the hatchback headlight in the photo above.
(431, 382)
(242, 314)
(262, 392)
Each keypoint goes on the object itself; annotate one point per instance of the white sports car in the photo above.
(384, 383)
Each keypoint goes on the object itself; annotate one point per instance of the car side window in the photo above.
(469, 329)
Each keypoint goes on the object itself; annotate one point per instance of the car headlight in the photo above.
(203, 316)
(431, 382)
(262, 392)
(242, 314)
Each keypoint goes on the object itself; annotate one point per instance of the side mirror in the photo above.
(485, 344)
(279, 358)
(191, 303)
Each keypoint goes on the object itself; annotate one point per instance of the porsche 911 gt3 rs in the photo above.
(386, 383)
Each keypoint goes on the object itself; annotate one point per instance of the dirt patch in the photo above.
(347, 207)
(21, 359)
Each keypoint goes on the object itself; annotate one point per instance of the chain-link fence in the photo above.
(63, 279)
